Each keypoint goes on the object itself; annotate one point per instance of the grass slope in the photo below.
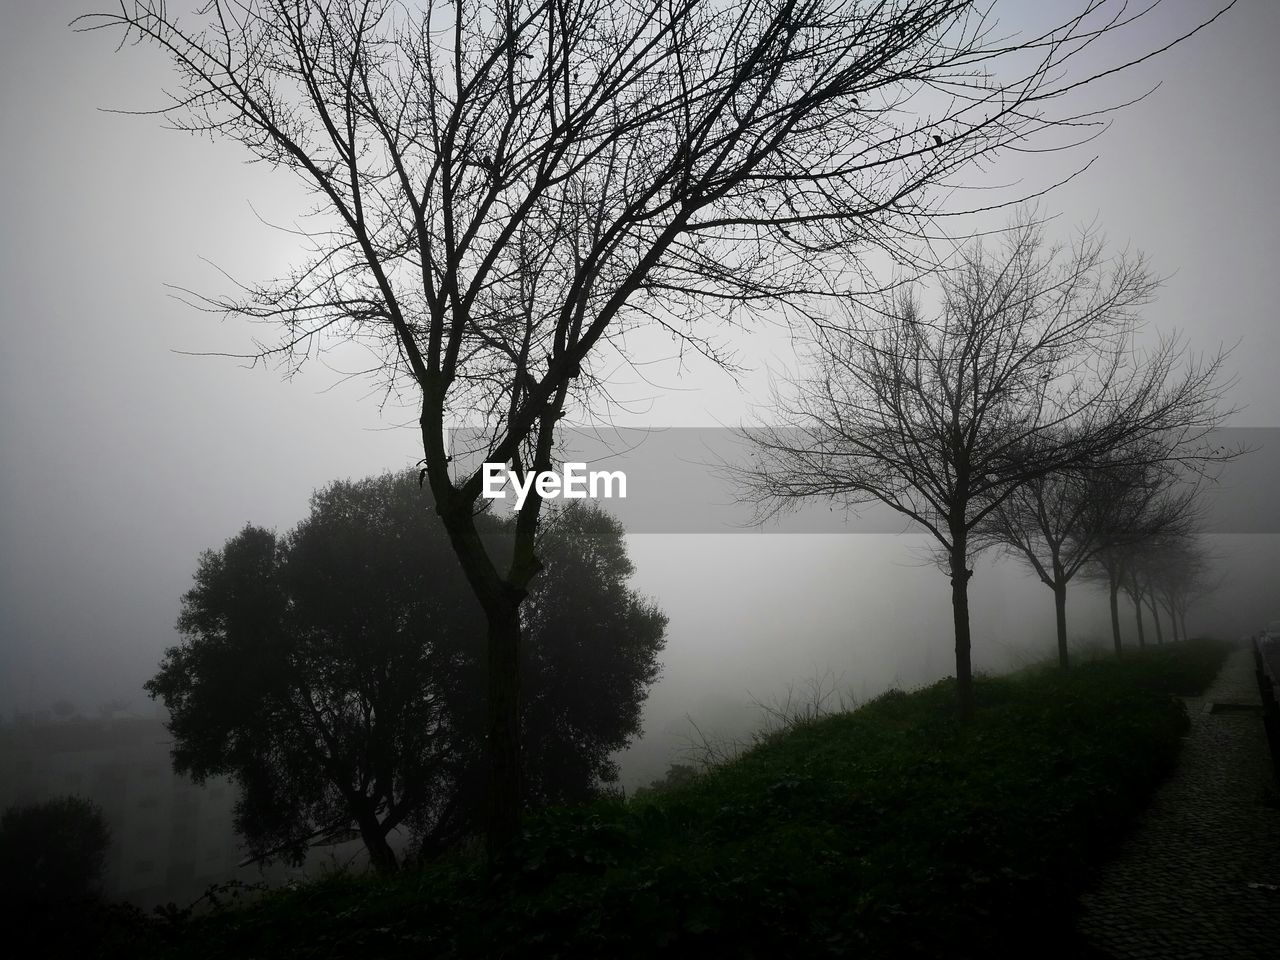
(891, 831)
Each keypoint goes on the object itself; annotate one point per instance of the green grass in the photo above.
(891, 831)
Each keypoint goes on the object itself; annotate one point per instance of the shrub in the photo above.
(52, 852)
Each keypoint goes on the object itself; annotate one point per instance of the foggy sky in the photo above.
(121, 459)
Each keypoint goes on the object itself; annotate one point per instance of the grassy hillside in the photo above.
(890, 831)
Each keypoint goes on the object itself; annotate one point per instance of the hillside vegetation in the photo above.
(891, 831)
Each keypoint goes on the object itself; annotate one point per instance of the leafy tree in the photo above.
(335, 671)
(511, 186)
(590, 657)
(52, 852)
(677, 775)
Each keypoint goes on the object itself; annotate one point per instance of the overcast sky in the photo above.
(121, 458)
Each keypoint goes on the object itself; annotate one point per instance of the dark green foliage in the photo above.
(677, 775)
(892, 831)
(52, 852)
(590, 653)
(52, 856)
(335, 672)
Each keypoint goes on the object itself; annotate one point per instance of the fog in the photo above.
(124, 456)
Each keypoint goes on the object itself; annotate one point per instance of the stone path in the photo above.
(1200, 878)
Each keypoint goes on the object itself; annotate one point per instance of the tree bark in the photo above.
(960, 575)
(1060, 618)
(500, 602)
(381, 856)
(504, 786)
(1113, 589)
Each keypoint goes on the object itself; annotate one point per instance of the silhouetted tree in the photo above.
(333, 672)
(677, 775)
(513, 185)
(1104, 511)
(52, 852)
(1146, 504)
(1147, 565)
(590, 655)
(1055, 524)
(1135, 589)
(1177, 572)
(1025, 370)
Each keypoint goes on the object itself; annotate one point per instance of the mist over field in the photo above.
(877, 616)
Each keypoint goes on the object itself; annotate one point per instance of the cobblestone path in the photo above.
(1200, 877)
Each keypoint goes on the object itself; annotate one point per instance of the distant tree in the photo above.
(1177, 571)
(1104, 512)
(1195, 585)
(1146, 566)
(1025, 369)
(677, 775)
(334, 671)
(1143, 574)
(510, 186)
(52, 852)
(1048, 524)
(1136, 589)
(1146, 505)
(110, 708)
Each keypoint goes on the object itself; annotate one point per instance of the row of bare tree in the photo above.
(1160, 562)
(1133, 527)
(1018, 409)
(507, 188)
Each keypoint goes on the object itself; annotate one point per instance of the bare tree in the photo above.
(1055, 524)
(1143, 574)
(1141, 563)
(1135, 588)
(1146, 503)
(1103, 511)
(509, 186)
(1025, 370)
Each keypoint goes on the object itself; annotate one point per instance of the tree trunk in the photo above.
(1060, 617)
(500, 602)
(960, 575)
(1137, 609)
(503, 814)
(1113, 589)
(381, 856)
(1182, 618)
(1155, 615)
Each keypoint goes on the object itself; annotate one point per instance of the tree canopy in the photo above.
(335, 671)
